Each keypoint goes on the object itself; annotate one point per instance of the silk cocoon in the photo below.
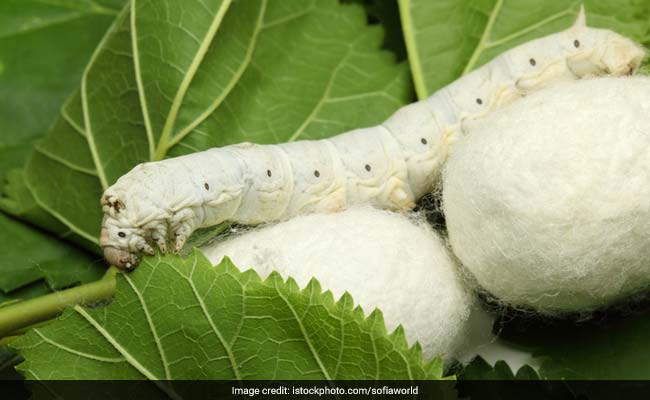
(547, 201)
(384, 260)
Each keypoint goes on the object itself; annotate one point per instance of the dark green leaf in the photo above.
(8, 359)
(43, 49)
(18, 201)
(482, 381)
(29, 255)
(44, 46)
(30, 291)
(611, 345)
(386, 12)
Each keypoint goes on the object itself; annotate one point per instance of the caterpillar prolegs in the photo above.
(390, 165)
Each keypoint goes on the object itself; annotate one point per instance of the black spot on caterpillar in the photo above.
(157, 201)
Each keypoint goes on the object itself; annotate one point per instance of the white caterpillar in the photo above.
(390, 165)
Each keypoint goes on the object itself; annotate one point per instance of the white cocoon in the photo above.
(548, 200)
(384, 260)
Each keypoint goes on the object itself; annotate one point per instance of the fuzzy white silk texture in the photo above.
(547, 201)
(384, 260)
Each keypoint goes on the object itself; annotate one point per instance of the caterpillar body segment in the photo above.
(375, 168)
(319, 177)
(267, 183)
(423, 136)
(390, 165)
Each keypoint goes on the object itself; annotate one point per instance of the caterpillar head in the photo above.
(122, 243)
(595, 52)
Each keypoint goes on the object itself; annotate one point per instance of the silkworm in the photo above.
(390, 165)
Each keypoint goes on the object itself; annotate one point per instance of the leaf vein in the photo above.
(326, 93)
(152, 327)
(206, 314)
(310, 346)
(77, 352)
(484, 37)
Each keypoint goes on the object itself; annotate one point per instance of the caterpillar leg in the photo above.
(159, 237)
(180, 237)
(399, 196)
(181, 233)
(182, 226)
(146, 248)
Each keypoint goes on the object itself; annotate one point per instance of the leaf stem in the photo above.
(408, 29)
(25, 313)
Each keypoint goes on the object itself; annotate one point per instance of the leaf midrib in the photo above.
(161, 148)
(127, 356)
(229, 87)
(412, 49)
(116, 345)
(260, 26)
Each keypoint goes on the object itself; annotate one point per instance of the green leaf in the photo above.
(610, 346)
(171, 78)
(479, 369)
(17, 200)
(177, 318)
(386, 12)
(29, 255)
(447, 39)
(481, 381)
(175, 43)
(8, 359)
(44, 46)
(316, 71)
(43, 49)
(30, 291)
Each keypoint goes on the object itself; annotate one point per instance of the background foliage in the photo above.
(89, 88)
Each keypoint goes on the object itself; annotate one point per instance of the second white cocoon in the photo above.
(384, 260)
(547, 201)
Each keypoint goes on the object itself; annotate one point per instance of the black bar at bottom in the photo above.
(439, 390)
